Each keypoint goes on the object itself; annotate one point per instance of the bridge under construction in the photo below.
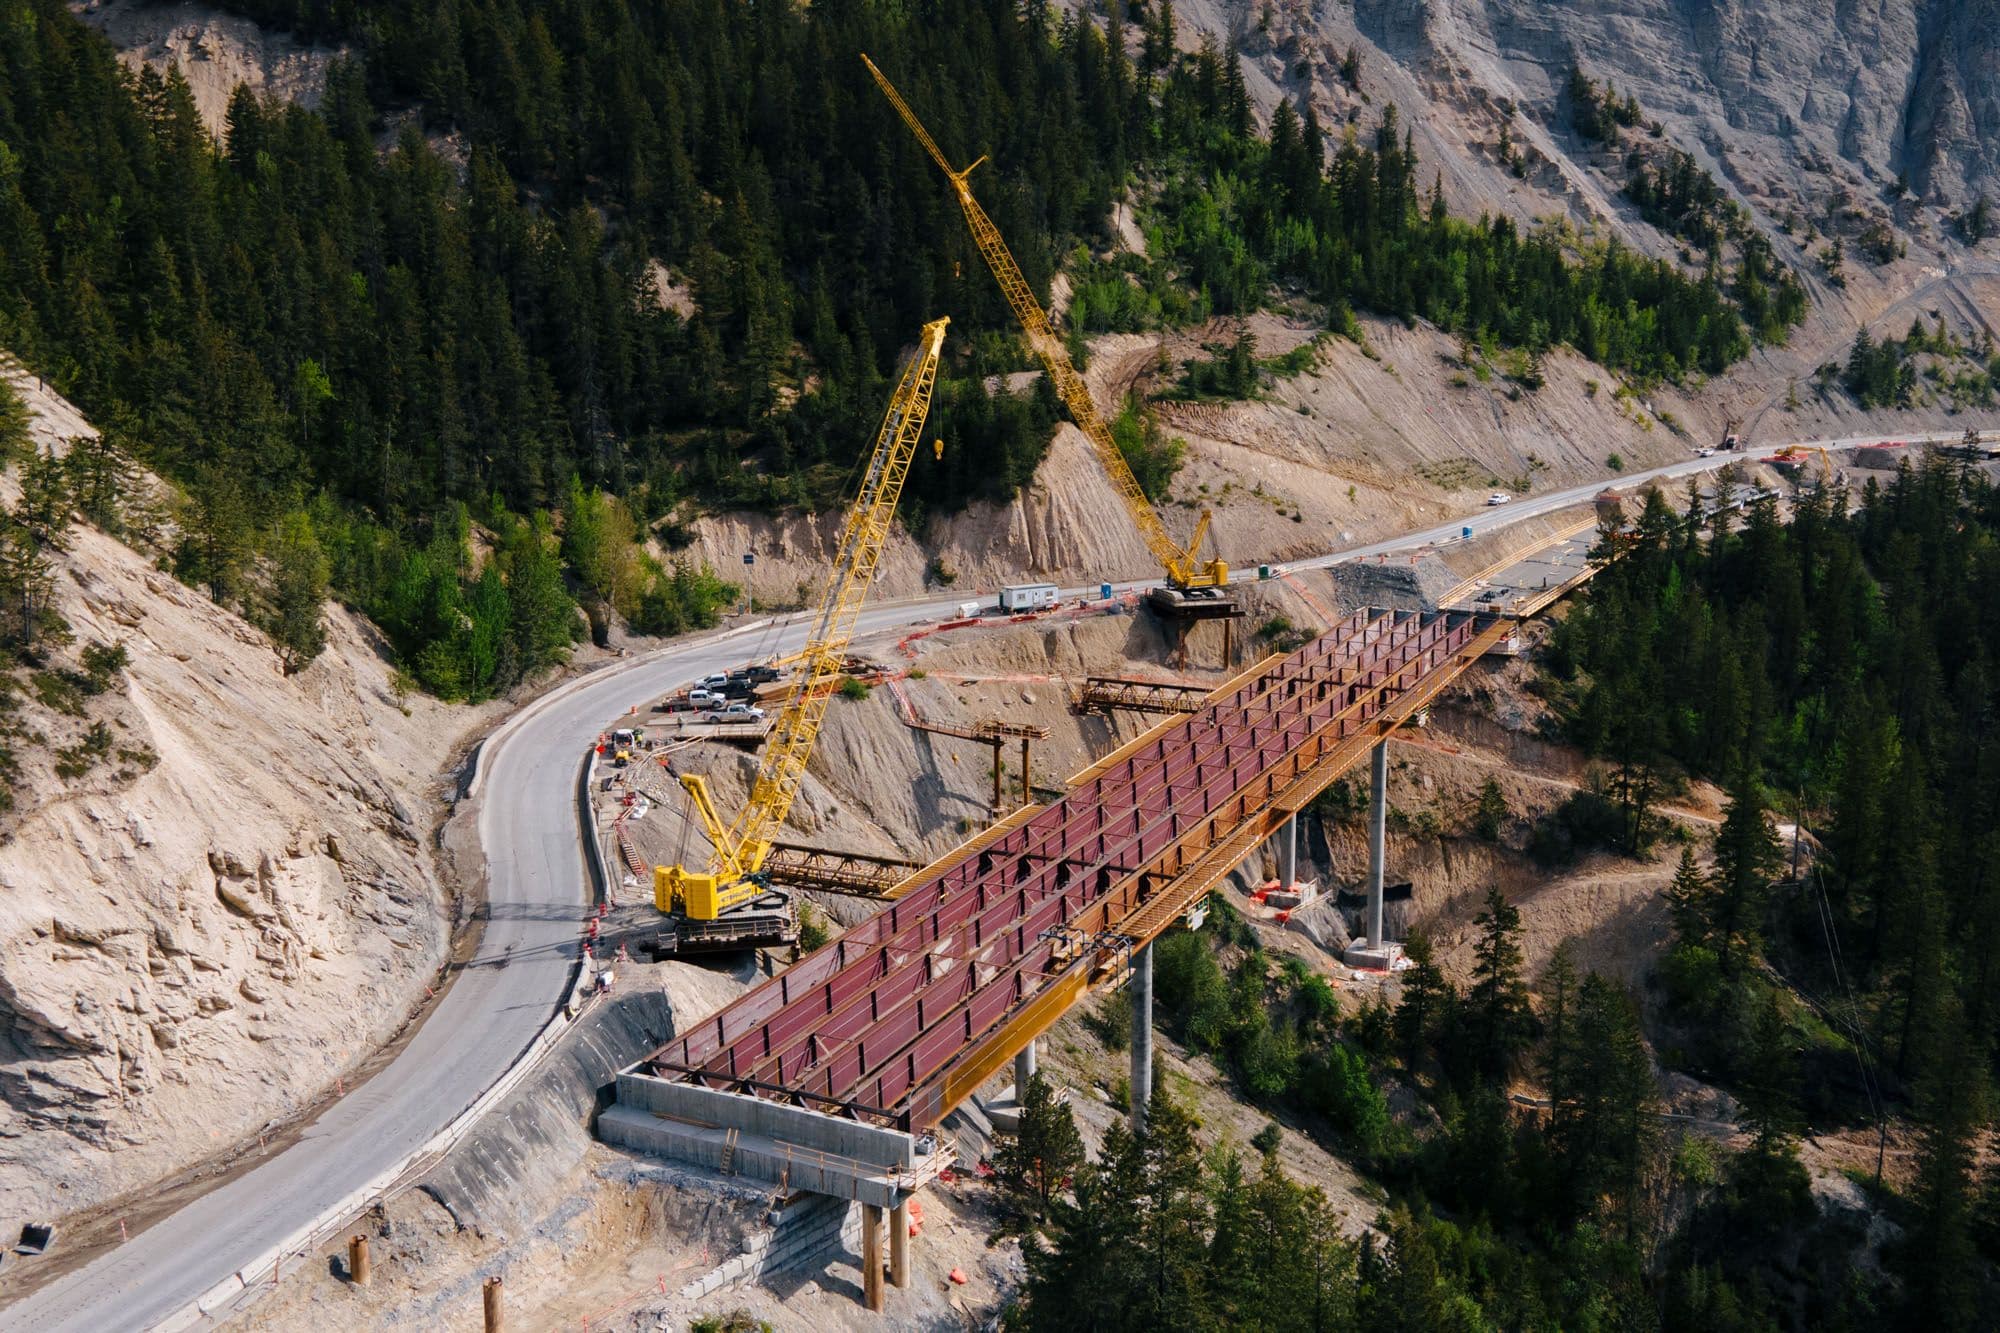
(833, 1076)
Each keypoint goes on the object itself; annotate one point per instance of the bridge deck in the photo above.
(900, 1019)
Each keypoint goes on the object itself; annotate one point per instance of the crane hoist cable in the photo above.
(1185, 569)
(734, 874)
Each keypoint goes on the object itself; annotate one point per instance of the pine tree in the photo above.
(1240, 375)
(1689, 901)
(542, 616)
(46, 503)
(1174, 1223)
(1085, 1278)
(1157, 52)
(1035, 1165)
(1491, 816)
(13, 423)
(102, 475)
(1426, 998)
(1603, 1132)
(1414, 1293)
(215, 540)
(1235, 94)
(1746, 858)
(299, 573)
(1303, 1268)
(1769, 1090)
(1951, 1113)
(1497, 1004)
(1559, 986)
(26, 585)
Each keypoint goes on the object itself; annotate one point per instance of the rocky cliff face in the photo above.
(1951, 128)
(1860, 89)
(217, 893)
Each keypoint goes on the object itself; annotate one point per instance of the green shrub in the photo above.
(813, 933)
(57, 692)
(101, 662)
(1337, 1084)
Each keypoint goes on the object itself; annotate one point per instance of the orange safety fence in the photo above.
(1070, 611)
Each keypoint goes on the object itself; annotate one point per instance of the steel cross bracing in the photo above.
(857, 874)
(901, 1018)
(1103, 694)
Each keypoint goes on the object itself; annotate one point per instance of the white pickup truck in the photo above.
(695, 700)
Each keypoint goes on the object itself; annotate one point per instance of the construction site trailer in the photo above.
(1028, 596)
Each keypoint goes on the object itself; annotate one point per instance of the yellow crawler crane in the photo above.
(1186, 571)
(735, 876)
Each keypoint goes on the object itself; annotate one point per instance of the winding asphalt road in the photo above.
(201, 1255)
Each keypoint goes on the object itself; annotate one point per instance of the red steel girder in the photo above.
(872, 1021)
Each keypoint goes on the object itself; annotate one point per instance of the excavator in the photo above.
(1193, 586)
(729, 903)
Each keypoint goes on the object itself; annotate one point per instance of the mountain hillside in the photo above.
(217, 886)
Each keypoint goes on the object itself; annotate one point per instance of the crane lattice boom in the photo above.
(740, 848)
(1183, 565)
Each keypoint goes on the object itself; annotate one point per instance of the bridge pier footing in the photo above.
(1142, 1036)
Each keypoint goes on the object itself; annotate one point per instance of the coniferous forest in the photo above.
(672, 252)
(534, 283)
(1837, 668)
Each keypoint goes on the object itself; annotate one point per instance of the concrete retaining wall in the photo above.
(501, 1176)
(810, 1232)
(791, 1124)
(753, 1156)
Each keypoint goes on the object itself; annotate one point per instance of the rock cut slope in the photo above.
(228, 908)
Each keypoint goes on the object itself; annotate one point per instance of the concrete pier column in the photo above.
(1142, 1036)
(1378, 826)
(358, 1271)
(496, 1318)
(1288, 854)
(1024, 1069)
(871, 1256)
(899, 1244)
